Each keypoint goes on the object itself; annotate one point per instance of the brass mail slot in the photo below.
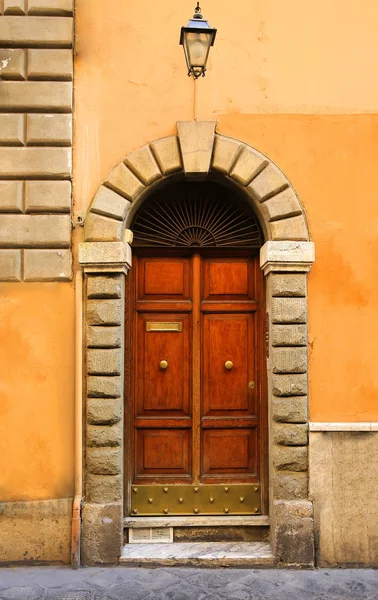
(218, 499)
(163, 326)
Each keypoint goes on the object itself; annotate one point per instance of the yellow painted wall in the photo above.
(36, 391)
(296, 81)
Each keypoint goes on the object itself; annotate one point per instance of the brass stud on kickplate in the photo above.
(256, 509)
(150, 500)
(196, 511)
(256, 488)
(181, 500)
(196, 489)
(135, 511)
(226, 510)
(211, 500)
(165, 490)
(135, 490)
(166, 511)
(226, 489)
(241, 499)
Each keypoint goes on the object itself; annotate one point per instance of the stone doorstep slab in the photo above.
(232, 521)
(200, 554)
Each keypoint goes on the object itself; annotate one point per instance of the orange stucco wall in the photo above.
(296, 84)
(36, 391)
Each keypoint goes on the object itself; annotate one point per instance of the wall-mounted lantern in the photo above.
(197, 38)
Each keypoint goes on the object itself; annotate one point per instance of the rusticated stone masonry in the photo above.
(36, 72)
(103, 509)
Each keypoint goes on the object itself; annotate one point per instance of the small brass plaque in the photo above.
(163, 326)
(232, 499)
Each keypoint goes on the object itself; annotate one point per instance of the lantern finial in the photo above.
(197, 12)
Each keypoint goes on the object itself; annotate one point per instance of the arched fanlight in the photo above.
(197, 38)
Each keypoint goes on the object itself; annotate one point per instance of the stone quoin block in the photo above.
(51, 7)
(293, 228)
(11, 196)
(289, 485)
(143, 164)
(104, 286)
(282, 205)
(35, 230)
(104, 387)
(47, 196)
(102, 533)
(41, 96)
(104, 337)
(110, 204)
(289, 385)
(293, 520)
(288, 284)
(12, 63)
(104, 254)
(50, 65)
(104, 435)
(12, 130)
(290, 458)
(124, 182)
(268, 183)
(167, 154)
(225, 153)
(104, 488)
(104, 312)
(247, 166)
(40, 32)
(289, 310)
(99, 228)
(104, 362)
(10, 265)
(104, 461)
(47, 265)
(289, 360)
(289, 335)
(104, 411)
(35, 162)
(292, 434)
(49, 130)
(290, 410)
(14, 7)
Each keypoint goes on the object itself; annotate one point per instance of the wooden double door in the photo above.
(198, 402)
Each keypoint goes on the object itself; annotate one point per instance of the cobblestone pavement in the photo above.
(122, 583)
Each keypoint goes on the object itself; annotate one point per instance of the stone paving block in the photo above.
(289, 310)
(20, 31)
(47, 196)
(12, 129)
(103, 362)
(289, 385)
(49, 130)
(167, 154)
(104, 286)
(12, 63)
(110, 204)
(104, 387)
(47, 265)
(27, 231)
(104, 411)
(50, 65)
(35, 162)
(11, 196)
(290, 410)
(288, 285)
(104, 337)
(10, 265)
(289, 335)
(104, 312)
(41, 96)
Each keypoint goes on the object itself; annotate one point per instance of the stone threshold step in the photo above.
(209, 521)
(200, 554)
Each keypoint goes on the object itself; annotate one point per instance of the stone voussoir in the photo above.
(104, 461)
(104, 312)
(110, 204)
(281, 206)
(104, 411)
(268, 183)
(143, 164)
(225, 153)
(124, 182)
(293, 228)
(167, 154)
(249, 163)
(102, 229)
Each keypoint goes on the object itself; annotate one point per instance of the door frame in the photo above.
(286, 259)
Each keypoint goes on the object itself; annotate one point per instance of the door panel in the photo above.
(227, 339)
(163, 278)
(228, 279)
(163, 390)
(163, 452)
(229, 451)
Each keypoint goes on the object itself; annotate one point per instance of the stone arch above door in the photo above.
(197, 152)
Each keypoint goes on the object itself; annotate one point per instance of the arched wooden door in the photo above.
(197, 419)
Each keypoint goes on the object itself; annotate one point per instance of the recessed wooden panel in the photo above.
(163, 390)
(228, 279)
(163, 278)
(229, 451)
(228, 338)
(164, 451)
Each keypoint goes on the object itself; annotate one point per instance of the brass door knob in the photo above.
(163, 364)
(228, 364)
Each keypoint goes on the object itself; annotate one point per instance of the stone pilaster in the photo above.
(286, 265)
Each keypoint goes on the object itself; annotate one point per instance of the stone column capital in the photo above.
(287, 257)
(105, 257)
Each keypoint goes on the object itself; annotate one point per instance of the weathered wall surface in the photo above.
(343, 485)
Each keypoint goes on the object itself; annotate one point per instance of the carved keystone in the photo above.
(196, 141)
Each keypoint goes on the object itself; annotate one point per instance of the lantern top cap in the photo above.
(199, 24)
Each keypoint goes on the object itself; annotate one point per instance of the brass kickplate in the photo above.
(163, 326)
(227, 499)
